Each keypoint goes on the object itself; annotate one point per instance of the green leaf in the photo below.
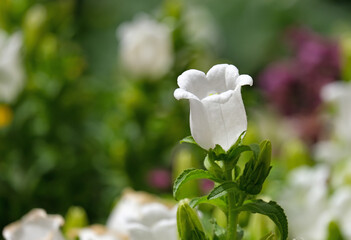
(212, 166)
(190, 174)
(334, 232)
(216, 202)
(269, 236)
(222, 189)
(271, 210)
(188, 139)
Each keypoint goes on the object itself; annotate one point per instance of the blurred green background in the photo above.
(82, 129)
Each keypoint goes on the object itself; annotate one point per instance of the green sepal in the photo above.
(190, 174)
(271, 210)
(189, 139)
(212, 166)
(216, 202)
(256, 169)
(223, 189)
(188, 223)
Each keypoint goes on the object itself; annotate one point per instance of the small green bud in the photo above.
(188, 223)
(256, 170)
(76, 218)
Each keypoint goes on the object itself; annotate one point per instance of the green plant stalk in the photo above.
(232, 216)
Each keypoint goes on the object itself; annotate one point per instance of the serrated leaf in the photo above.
(188, 139)
(191, 174)
(271, 210)
(216, 202)
(222, 189)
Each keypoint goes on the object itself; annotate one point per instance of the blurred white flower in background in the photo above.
(142, 217)
(36, 225)
(217, 112)
(96, 232)
(200, 27)
(340, 203)
(11, 69)
(305, 202)
(338, 94)
(146, 48)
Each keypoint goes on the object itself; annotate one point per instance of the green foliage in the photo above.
(188, 223)
(222, 189)
(191, 174)
(271, 210)
(334, 232)
(256, 169)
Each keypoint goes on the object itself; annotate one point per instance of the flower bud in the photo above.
(188, 223)
(256, 170)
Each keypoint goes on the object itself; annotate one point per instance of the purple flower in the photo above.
(159, 178)
(293, 86)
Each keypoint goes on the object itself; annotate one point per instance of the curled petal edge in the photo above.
(180, 93)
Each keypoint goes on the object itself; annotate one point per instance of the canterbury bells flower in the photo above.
(217, 113)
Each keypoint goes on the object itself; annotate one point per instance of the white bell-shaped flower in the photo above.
(217, 113)
(36, 225)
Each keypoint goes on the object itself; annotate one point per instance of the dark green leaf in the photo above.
(190, 174)
(238, 141)
(222, 190)
(271, 210)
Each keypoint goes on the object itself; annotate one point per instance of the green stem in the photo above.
(232, 216)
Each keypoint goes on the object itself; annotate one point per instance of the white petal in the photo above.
(212, 122)
(199, 125)
(195, 82)
(139, 232)
(219, 98)
(180, 93)
(244, 80)
(222, 76)
(165, 230)
(154, 212)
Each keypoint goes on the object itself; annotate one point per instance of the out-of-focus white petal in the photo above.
(138, 231)
(165, 229)
(36, 225)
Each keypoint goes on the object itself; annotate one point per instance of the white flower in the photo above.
(11, 70)
(305, 202)
(36, 225)
(141, 217)
(96, 232)
(340, 203)
(217, 113)
(339, 93)
(145, 47)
